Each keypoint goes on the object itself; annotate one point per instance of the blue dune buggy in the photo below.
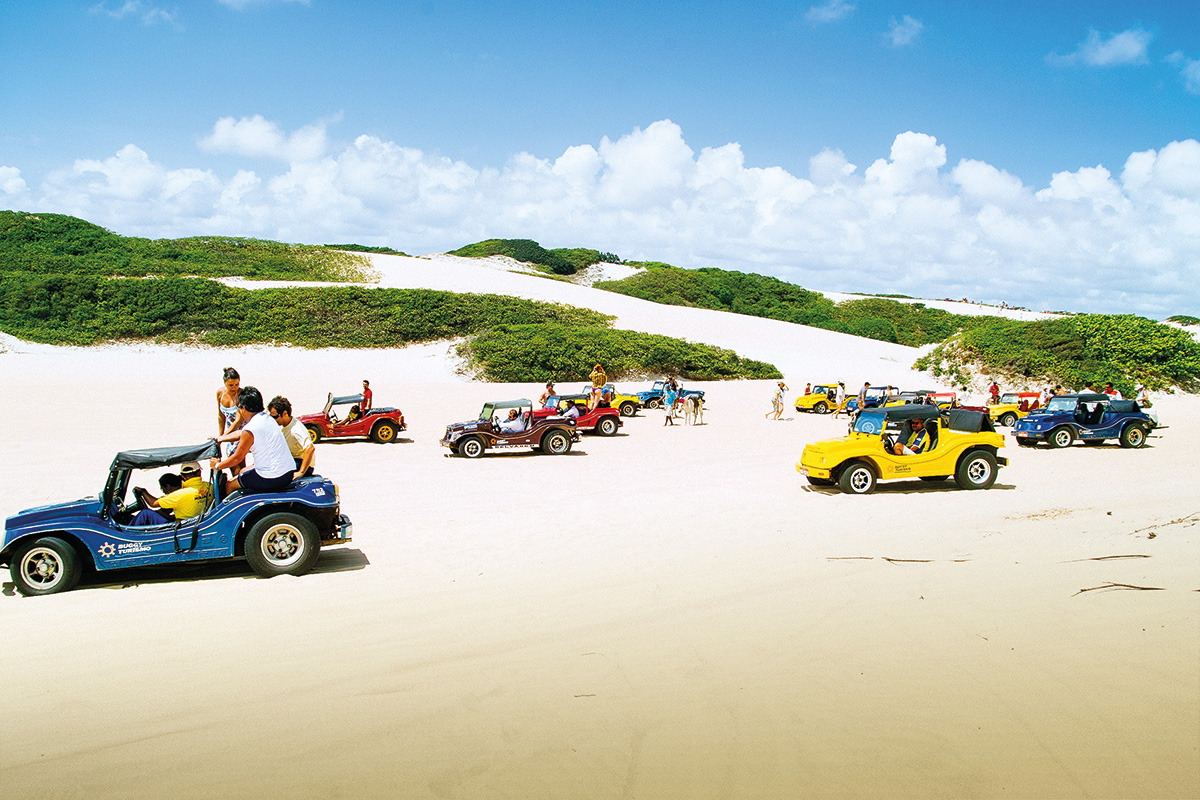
(1089, 418)
(278, 533)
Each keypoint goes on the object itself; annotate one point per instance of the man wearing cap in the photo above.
(185, 494)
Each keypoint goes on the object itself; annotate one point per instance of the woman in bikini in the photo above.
(227, 406)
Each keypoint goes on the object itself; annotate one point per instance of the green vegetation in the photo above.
(761, 296)
(81, 310)
(560, 261)
(515, 340)
(1073, 351)
(67, 281)
(542, 352)
(54, 243)
(365, 248)
(1184, 319)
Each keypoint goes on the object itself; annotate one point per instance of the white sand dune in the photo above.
(670, 613)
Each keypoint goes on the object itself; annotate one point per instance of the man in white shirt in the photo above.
(514, 423)
(262, 440)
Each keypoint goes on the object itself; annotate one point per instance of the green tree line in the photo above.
(755, 295)
(56, 243)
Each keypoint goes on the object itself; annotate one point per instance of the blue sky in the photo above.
(865, 146)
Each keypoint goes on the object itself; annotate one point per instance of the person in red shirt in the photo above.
(365, 405)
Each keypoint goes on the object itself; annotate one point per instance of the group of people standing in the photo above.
(281, 448)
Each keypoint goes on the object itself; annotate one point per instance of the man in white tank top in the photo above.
(263, 441)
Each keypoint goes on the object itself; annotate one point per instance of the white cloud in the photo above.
(1189, 69)
(257, 137)
(1127, 47)
(913, 222)
(830, 12)
(904, 31)
(148, 13)
(11, 182)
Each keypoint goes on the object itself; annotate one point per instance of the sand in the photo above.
(669, 613)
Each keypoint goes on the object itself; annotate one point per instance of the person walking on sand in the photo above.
(669, 396)
(777, 401)
(839, 399)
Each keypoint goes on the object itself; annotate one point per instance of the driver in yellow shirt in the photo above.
(186, 501)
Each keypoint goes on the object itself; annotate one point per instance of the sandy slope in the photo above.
(670, 613)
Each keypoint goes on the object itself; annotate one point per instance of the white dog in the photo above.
(693, 410)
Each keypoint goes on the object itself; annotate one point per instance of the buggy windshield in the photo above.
(870, 422)
(1061, 403)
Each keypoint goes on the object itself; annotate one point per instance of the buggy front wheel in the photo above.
(46, 566)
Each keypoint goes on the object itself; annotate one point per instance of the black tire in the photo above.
(976, 470)
(819, 481)
(628, 408)
(934, 478)
(45, 566)
(607, 426)
(556, 443)
(1133, 436)
(655, 402)
(1008, 419)
(282, 544)
(471, 447)
(821, 407)
(1061, 437)
(857, 478)
(384, 431)
(314, 432)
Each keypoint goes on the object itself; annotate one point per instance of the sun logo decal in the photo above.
(108, 549)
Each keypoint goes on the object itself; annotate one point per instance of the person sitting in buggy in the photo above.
(915, 438)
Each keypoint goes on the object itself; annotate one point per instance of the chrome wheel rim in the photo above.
(978, 471)
(282, 545)
(42, 568)
(860, 480)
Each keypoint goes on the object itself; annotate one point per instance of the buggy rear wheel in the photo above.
(556, 443)
(384, 431)
(1133, 436)
(628, 409)
(282, 544)
(977, 470)
(607, 426)
(1008, 419)
(314, 432)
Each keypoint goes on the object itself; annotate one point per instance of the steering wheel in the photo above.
(888, 443)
